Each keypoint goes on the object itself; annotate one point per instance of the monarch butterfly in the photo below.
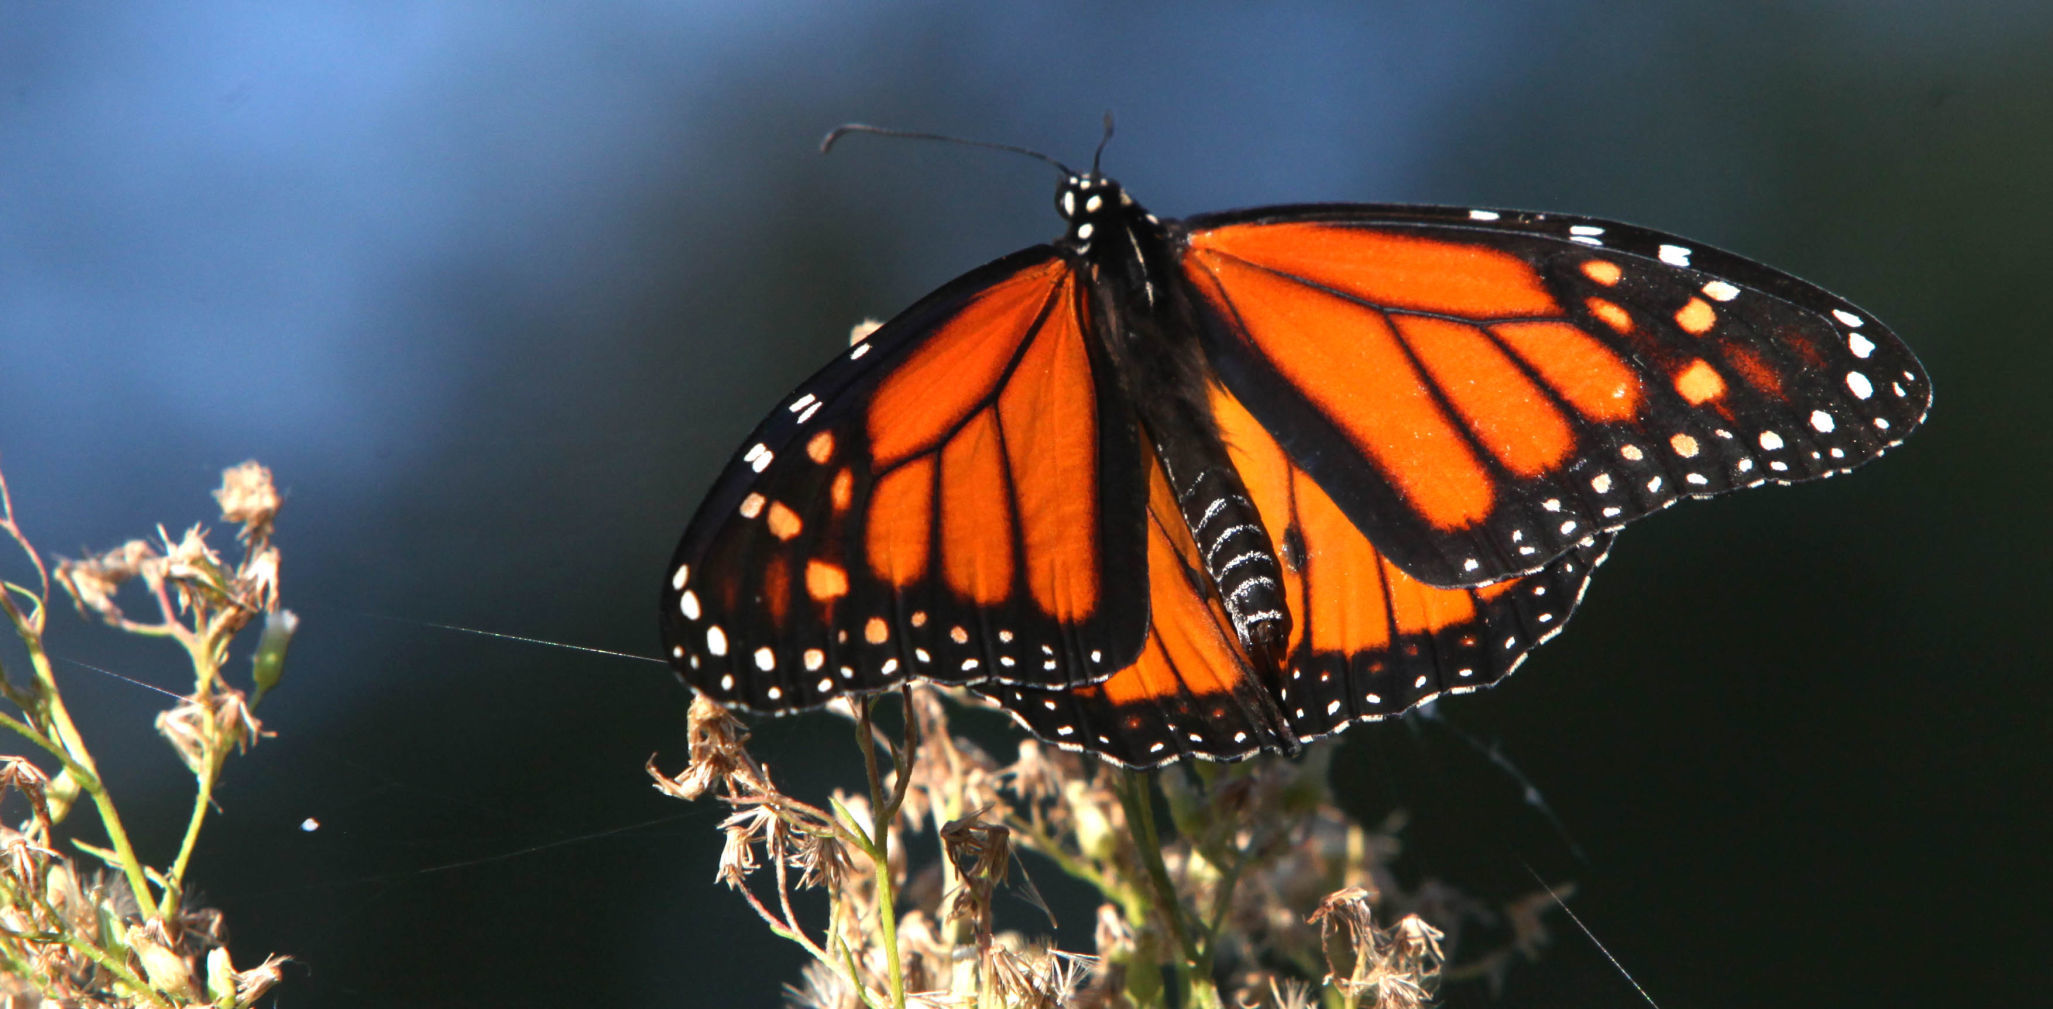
(1228, 484)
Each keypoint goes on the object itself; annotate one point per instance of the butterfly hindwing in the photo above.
(1483, 389)
(1190, 692)
(954, 498)
(1369, 641)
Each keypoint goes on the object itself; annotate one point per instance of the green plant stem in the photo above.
(1193, 966)
(70, 748)
(206, 776)
(203, 800)
(1222, 901)
(880, 849)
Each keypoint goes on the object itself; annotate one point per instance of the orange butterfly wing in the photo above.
(1191, 689)
(954, 499)
(1368, 641)
(1484, 389)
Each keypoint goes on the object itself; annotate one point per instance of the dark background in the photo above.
(495, 289)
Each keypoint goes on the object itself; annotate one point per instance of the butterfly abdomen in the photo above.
(1149, 333)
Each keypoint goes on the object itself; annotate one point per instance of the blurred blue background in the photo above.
(496, 288)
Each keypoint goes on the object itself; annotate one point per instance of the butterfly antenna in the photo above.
(1102, 141)
(835, 134)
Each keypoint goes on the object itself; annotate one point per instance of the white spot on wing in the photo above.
(1719, 290)
(1821, 421)
(1770, 440)
(689, 605)
(1845, 317)
(716, 640)
(1860, 345)
(1483, 215)
(766, 659)
(1860, 385)
(1675, 255)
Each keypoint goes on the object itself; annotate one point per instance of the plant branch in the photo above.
(879, 847)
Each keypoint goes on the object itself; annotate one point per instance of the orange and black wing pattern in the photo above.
(1481, 390)
(960, 496)
(1369, 641)
(1191, 691)
(1211, 487)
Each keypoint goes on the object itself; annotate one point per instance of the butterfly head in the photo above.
(1090, 203)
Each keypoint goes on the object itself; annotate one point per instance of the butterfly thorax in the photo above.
(1148, 331)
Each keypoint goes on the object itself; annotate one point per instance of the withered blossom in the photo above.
(1255, 846)
(248, 496)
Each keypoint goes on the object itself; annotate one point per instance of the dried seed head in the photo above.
(822, 860)
(1397, 969)
(257, 580)
(821, 987)
(247, 496)
(982, 856)
(93, 582)
(745, 828)
(197, 723)
(254, 982)
(718, 753)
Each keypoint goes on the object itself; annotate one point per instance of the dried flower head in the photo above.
(1224, 896)
(93, 582)
(248, 497)
(198, 724)
(718, 753)
(982, 855)
(1396, 968)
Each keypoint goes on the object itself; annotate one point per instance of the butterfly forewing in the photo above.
(1481, 390)
(957, 497)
